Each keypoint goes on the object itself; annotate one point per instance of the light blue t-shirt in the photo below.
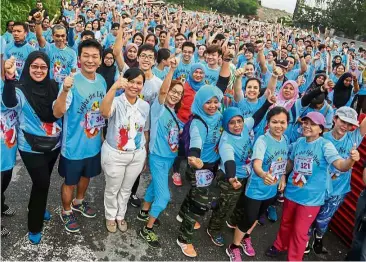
(70, 15)
(20, 53)
(182, 72)
(293, 74)
(62, 61)
(211, 75)
(8, 37)
(207, 142)
(341, 180)
(48, 35)
(160, 73)
(273, 153)
(309, 180)
(248, 108)
(82, 120)
(30, 123)
(108, 41)
(238, 149)
(8, 134)
(31, 38)
(164, 131)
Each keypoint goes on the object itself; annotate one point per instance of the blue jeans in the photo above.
(358, 248)
(158, 191)
(325, 214)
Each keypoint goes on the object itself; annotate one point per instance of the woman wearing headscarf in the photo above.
(39, 130)
(204, 130)
(108, 69)
(130, 55)
(344, 92)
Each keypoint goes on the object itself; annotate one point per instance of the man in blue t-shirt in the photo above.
(63, 58)
(78, 103)
(184, 67)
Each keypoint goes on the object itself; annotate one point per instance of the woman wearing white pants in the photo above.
(123, 151)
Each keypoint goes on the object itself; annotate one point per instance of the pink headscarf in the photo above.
(281, 101)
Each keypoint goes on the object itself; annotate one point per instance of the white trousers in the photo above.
(121, 170)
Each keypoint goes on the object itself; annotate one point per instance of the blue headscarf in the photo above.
(204, 94)
(228, 115)
(196, 85)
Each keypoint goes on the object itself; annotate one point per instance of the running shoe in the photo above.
(177, 179)
(70, 222)
(187, 249)
(234, 253)
(150, 237)
(272, 213)
(246, 244)
(135, 201)
(218, 239)
(84, 209)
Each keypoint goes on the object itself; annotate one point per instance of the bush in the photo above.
(18, 10)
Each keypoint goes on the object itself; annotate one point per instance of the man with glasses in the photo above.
(19, 48)
(8, 36)
(62, 58)
(184, 66)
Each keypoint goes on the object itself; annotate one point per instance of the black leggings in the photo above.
(5, 181)
(253, 210)
(39, 167)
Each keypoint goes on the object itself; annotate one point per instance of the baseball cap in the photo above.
(316, 117)
(348, 115)
(282, 63)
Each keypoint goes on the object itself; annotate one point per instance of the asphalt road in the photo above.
(93, 242)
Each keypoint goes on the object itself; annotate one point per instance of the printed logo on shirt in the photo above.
(51, 129)
(59, 73)
(93, 121)
(122, 137)
(182, 77)
(8, 128)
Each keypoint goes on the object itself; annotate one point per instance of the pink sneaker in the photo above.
(247, 246)
(177, 179)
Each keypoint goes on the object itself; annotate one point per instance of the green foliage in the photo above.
(232, 7)
(18, 10)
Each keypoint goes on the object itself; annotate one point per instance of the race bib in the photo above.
(304, 165)
(94, 120)
(204, 178)
(278, 168)
(9, 119)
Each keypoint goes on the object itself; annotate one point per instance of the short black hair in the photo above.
(159, 26)
(137, 34)
(114, 25)
(87, 32)
(189, 44)
(180, 34)
(134, 72)
(163, 54)
(276, 111)
(253, 79)
(146, 47)
(24, 25)
(90, 43)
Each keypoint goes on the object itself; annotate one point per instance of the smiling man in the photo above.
(63, 58)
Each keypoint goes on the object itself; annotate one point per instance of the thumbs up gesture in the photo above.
(355, 155)
(38, 16)
(235, 183)
(68, 82)
(268, 178)
(271, 97)
(195, 162)
(10, 67)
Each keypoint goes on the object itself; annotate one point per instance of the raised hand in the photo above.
(235, 183)
(121, 83)
(354, 154)
(174, 62)
(195, 162)
(239, 72)
(271, 97)
(68, 82)
(10, 67)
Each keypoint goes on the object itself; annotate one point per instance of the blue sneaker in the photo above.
(272, 213)
(35, 238)
(47, 215)
(70, 222)
(218, 240)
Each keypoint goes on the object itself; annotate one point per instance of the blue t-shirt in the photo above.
(211, 75)
(20, 53)
(62, 61)
(164, 131)
(80, 120)
(70, 15)
(8, 135)
(8, 37)
(248, 108)
(238, 149)
(30, 123)
(161, 74)
(293, 74)
(265, 80)
(108, 41)
(273, 153)
(48, 35)
(32, 40)
(207, 142)
(309, 180)
(341, 180)
(309, 77)
(182, 72)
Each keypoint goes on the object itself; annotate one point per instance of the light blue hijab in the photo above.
(194, 84)
(203, 95)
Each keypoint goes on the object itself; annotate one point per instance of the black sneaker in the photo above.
(307, 249)
(135, 201)
(142, 216)
(273, 252)
(7, 211)
(150, 237)
(4, 231)
(318, 246)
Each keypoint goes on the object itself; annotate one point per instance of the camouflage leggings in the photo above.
(226, 203)
(195, 205)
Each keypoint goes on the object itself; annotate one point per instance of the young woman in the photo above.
(39, 130)
(89, 26)
(307, 185)
(108, 69)
(96, 30)
(163, 62)
(163, 150)
(204, 132)
(138, 39)
(267, 176)
(344, 92)
(151, 39)
(199, 56)
(123, 152)
(337, 73)
(235, 149)
(130, 55)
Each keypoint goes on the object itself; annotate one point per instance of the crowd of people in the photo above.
(251, 113)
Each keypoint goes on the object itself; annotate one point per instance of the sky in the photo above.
(287, 5)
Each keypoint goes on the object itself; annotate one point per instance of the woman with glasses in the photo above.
(39, 130)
